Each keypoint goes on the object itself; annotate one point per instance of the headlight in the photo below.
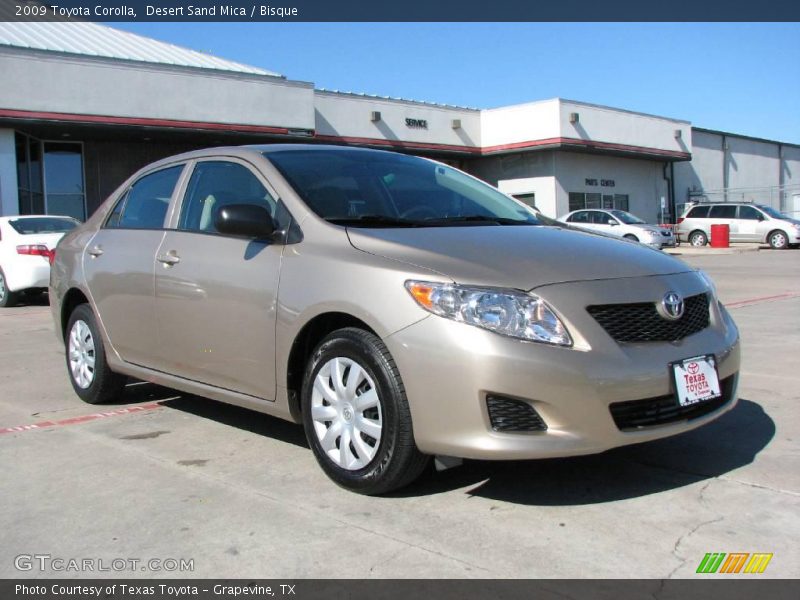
(507, 312)
(709, 282)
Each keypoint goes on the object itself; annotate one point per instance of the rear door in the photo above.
(723, 214)
(216, 294)
(119, 265)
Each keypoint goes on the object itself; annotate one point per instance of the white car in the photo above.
(621, 224)
(27, 245)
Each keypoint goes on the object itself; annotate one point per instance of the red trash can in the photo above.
(720, 236)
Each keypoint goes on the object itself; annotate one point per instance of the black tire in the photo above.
(104, 385)
(698, 238)
(778, 240)
(396, 461)
(631, 237)
(7, 297)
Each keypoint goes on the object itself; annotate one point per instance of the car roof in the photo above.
(7, 218)
(260, 150)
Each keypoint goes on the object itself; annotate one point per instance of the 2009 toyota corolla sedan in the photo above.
(396, 307)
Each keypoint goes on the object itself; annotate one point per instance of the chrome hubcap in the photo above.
(697, 240)
(347, 415)
(81, 354)
(2, 286)
(778, 240)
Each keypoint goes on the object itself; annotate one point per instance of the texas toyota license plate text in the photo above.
(696, 380)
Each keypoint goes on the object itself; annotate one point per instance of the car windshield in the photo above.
(627, 217)
(772, 212)
(35, 225)
(363, 188)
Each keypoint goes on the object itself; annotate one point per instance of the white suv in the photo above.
(621, 224)
(748, 223)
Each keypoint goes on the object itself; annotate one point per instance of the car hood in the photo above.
(519, 257)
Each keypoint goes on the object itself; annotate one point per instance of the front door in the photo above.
(748, 225)
(216, 294)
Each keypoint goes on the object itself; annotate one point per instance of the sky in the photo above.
(736, 77)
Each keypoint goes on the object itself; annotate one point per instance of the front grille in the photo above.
(640, 322)
(666, 232)
(650, 412)
(508, 415)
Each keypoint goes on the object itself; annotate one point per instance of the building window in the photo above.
(29, 175)
(621, 202)
(50, 177)
(529, 199)
(579, 200)
(63, 179)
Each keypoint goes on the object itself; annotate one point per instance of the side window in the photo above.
(146, 203)
(601, 218)
(750, 213)
(698, 212)
(215, 184)
(580, 217)
(723, 211)
(113, 218)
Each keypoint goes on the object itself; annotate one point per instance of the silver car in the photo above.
(396, 307)
(747, 222)
(622, 224)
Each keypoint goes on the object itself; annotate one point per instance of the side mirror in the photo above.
(612, 222)
(244, 220)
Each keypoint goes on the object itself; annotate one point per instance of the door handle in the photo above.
(168, 259)
(95, 251)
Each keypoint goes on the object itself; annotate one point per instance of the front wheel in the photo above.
(356, 414)
(89, 373)
(778, 240)
(631, 237)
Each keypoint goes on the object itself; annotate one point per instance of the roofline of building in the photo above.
(561, 100)
(144, 64)
(364, 96)
(744, 137)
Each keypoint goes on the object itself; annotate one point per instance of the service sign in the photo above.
(696, 380)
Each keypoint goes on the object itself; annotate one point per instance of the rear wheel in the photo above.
(698, 238)
(7, 297)
(778, 240)
(356, 414)
(89, 373)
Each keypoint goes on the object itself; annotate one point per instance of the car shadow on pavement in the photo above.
(241, 418)
(32, 299)
(727, 444)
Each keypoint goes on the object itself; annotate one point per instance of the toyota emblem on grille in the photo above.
(671, 306)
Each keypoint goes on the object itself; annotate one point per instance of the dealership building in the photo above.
(83, 106)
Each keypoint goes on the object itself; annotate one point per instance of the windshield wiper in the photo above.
(477, 219)
(373, 221)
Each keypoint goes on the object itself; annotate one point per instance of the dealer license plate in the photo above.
(696, 380)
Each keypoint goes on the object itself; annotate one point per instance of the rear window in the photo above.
(698, 212)
(35, 225)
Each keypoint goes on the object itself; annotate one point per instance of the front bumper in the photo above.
(449, 368)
